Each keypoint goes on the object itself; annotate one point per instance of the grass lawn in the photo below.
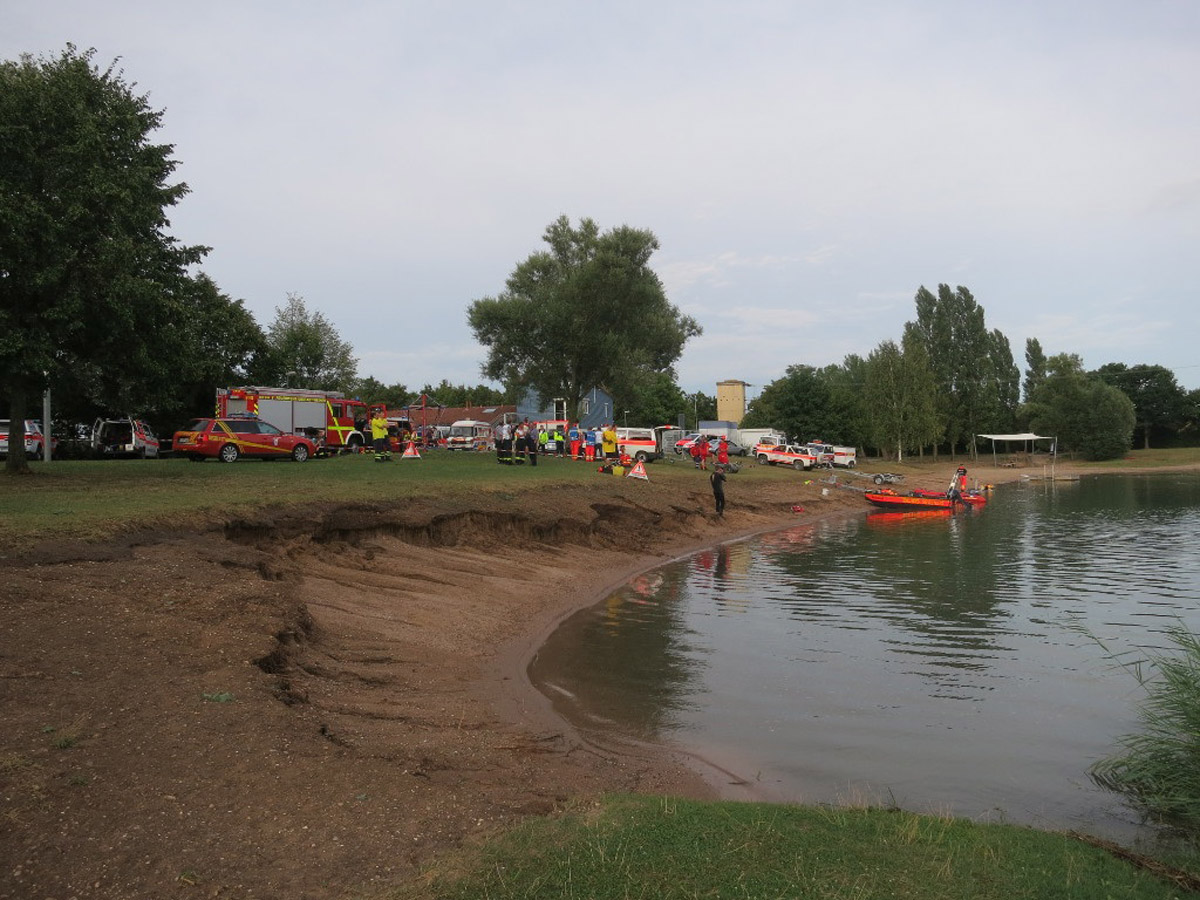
(91, 500)
(662, 848)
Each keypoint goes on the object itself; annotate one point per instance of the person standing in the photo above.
(574, 437)
(718, 488)
(704, 448)
(608, 442)
(723, 452)
(379, 437)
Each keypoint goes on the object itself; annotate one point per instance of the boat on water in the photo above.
(975, 498)
(921, 500)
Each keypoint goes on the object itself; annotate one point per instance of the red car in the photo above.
(230, 438)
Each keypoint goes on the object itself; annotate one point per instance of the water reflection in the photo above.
(941, 660)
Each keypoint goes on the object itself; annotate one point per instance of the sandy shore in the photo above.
(320, 701)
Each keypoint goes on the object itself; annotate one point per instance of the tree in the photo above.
(89, 279)
(961, 357)
(798, 404)
(307, 350)
(1158, 400)
(589, 312)
(449, 394)
(372, 390)
(1035, 362)
(1084, 413)
(900, 394)
(657, 401)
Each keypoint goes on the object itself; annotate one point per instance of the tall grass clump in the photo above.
(1160, 766)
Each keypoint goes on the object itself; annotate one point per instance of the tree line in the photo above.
(101, 305)
(950, 379)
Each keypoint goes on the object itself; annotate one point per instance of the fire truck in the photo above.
(330, 419)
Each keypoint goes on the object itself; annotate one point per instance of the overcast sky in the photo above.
(805, 166)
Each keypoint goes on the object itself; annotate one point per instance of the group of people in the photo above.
(700, 452)
(529, 440)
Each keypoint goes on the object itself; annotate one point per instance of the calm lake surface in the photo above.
(941, 663)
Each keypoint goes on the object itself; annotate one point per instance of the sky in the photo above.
(806, 167)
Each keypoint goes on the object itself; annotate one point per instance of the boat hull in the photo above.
(887, 500)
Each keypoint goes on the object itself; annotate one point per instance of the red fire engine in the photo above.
(333, 421)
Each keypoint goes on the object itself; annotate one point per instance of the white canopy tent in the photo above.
(1027, 438)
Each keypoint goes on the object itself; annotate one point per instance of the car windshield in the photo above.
(268, 428)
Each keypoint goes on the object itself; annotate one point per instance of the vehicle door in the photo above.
(248, 436)
(144, 437)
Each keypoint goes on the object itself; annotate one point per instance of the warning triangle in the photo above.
(410, 452)
(639, 471)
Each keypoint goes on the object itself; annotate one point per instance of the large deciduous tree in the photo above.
(1087, 415)
(587, 312)
(1158, 400)
(307, 350)
(88, 273)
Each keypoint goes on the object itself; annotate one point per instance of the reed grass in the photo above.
(1160, 765)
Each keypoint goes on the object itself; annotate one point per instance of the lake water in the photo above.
(943, 663)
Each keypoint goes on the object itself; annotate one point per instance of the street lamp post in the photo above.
(626, 418)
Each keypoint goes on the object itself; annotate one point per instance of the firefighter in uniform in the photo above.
(379, 436)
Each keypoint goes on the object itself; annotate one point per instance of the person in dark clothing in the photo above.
(718, 485)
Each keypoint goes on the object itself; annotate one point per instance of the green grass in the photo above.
(98, 499)
(1153, 458)
(662, 848)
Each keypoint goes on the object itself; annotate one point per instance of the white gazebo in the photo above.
(1029, 439)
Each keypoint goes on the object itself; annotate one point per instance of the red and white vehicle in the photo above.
(329, 419)
(639, 443)
(35, 441)
(794, 455)
(471, 434)
(124, 437)
(831, 455)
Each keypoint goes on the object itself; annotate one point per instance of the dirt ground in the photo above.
(313, 703)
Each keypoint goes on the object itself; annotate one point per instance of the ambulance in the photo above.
(640, 444)
(470, 434)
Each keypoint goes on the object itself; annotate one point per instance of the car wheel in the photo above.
(850, 465)
(762, 459)
(798, 464)
(878, 479)
(229, 453)
(300, 453)
(640, 456)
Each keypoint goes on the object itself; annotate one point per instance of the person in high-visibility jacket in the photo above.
(379, 437)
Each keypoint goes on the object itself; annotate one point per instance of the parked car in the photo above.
(684, 444)
(794, 455)
(124, 437)
(227, 439)
(34, 439)
(735, 449)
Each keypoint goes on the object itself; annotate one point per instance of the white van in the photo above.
(124, 437)
(639, 443)
(470, 434)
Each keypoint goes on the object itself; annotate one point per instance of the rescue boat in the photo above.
(916, 501)
(975, 498)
